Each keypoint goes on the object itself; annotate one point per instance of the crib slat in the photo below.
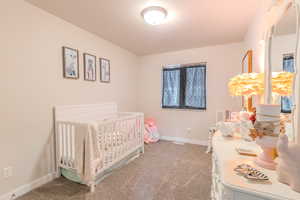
(68, 134)
(60, 142)
(63, 144)
(66, 144)
(73, 145)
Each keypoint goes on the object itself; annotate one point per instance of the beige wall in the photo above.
(31, 84)
(223, 62)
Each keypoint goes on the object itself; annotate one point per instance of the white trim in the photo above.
(27, 187)
(185, 140)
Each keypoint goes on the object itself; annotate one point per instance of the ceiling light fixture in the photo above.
(154, 15)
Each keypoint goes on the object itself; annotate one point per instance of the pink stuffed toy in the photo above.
(151, 132)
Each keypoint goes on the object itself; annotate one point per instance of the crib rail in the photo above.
(117, 136)
(85, 112)
(65, 144)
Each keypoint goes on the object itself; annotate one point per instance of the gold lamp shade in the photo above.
(249, 84)
(246, 84)
(282, 83)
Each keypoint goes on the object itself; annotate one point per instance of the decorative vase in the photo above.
(226, 128)
(245, 127)
(268, 127)
(266, 158)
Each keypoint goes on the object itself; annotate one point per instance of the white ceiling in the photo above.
(190, 24)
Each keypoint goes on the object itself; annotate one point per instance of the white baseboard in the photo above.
(27, 187)
(185, 140)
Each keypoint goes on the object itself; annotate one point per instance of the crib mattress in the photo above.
(70, 175)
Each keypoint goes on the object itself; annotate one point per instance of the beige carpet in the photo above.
(166, 171)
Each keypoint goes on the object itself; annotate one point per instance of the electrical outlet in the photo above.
(188, 130)
(7, 172)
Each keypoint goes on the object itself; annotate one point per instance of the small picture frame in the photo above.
(70, 63)
(104, 70)
(89, 62)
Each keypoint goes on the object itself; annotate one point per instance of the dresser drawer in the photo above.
(215, 164)
(219, 191)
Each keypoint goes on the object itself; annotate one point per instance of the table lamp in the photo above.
(247, 85)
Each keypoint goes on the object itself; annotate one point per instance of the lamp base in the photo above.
(266, 158)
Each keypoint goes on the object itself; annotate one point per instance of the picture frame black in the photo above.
(70, 63)
(89, 69)
(104, 70)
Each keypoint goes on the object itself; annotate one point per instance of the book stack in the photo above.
(268, 119)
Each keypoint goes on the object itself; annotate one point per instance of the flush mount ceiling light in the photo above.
(154, 15)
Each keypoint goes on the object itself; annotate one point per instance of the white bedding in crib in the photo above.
(88, 157)
(87, 154)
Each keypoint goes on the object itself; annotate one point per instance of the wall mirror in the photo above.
(282, 55)
(283, 48)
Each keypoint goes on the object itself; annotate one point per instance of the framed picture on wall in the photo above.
(89, 62)
(104, 70)
(70, 63)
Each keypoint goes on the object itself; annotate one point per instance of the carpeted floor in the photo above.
(166, 171)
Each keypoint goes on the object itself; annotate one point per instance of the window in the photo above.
(288, 66)
(184, 87)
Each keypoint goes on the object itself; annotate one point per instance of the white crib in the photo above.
(93, 138)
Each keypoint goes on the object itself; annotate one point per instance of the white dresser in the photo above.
(227, 185)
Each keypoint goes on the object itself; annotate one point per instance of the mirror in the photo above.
(283, 47)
